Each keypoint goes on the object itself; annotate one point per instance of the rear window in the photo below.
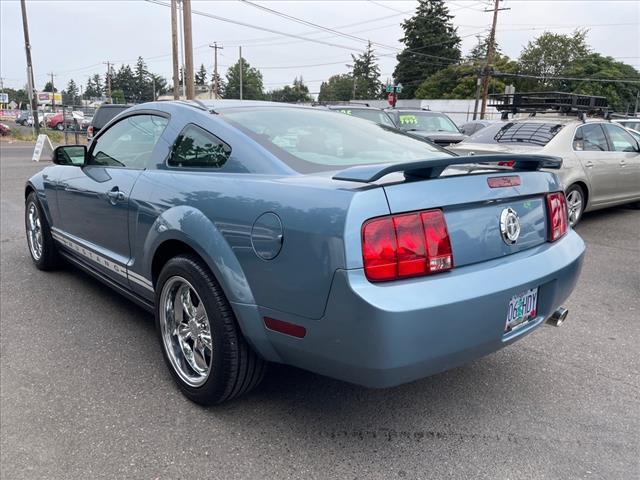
(311, 140)
(532, 133)
(104, 115)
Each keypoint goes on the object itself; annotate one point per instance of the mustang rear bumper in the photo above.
(385, 334)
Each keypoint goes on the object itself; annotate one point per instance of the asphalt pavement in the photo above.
(84, 392)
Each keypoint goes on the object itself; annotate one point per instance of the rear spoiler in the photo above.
(432, 168)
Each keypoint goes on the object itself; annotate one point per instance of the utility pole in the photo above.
(181, 47)
(214, 87)
(490, 52)
(108, 64)
(53, 93)
(174, 49)
(31, 83)
(188, 49)
(240, 61)
(478, 85)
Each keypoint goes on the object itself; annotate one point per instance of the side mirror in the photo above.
(73, 155)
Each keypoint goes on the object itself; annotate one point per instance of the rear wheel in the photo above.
(41, 245)
(201, 341)
(575, 204)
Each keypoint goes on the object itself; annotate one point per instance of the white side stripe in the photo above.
(105, 262)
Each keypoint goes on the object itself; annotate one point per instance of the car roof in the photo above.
(217, 105)
(353, 106)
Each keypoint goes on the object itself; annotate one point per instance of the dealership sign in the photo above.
(44, 98)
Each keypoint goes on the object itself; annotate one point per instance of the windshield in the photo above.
(377, 116)
(426, 121)
(314, 140)
(534, 133)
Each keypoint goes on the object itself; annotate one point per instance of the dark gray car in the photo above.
(434, 126)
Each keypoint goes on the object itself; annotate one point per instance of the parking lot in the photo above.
(85, 392)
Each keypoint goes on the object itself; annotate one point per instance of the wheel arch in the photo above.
(585, 190)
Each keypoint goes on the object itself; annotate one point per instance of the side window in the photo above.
(197, 148)
(621, 141)
(590, 138)
(129, 142)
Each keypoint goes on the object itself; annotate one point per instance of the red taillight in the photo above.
(558, 218)
(406, 245)
(507, 163)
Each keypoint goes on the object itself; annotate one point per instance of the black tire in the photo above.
(575, 191)
(235, 368)
(49, 258)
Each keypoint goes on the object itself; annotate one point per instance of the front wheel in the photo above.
(575, 204)
(201, 341)
(41, 245)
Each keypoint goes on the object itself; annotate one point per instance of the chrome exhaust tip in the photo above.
(558, 317)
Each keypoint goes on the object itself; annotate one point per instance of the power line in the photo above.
(572, 79)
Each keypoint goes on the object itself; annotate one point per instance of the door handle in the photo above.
(623, 163)
(589, 164)
(115, 195)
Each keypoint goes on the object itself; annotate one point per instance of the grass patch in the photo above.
(54, 136)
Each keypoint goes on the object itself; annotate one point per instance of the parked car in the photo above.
(4, 129)
(24, 118)
(86, 122)
(632, 123)
(271, 232)
(601, 160)
(57, 121)
(104, 114)
(434, 126)
(474, 126)
(372, 114)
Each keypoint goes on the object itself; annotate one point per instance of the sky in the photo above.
(73, 38)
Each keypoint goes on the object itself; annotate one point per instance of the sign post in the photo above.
(393, 91)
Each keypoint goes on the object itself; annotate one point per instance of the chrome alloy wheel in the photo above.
(34, 231)
(186, 332)
(574, 205)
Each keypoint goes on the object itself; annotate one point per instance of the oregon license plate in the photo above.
(522, 308)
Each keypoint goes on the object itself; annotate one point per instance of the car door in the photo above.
(93, 201)
(600, 164)
(625, 148)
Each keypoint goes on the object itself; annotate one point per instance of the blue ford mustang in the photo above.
(263, 232)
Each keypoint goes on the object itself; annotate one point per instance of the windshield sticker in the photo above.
(408, 120)
(346, 112)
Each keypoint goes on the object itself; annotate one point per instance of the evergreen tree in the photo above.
(124, 81)
(336, 88)
(220, 82)
(252, 88)
(431, 44)
(201, 75)
(367, 74)
(71, 95)
(97, 85)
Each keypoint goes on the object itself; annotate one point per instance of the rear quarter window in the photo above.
(197, 148)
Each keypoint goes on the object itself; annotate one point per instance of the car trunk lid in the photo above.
(472, 207)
